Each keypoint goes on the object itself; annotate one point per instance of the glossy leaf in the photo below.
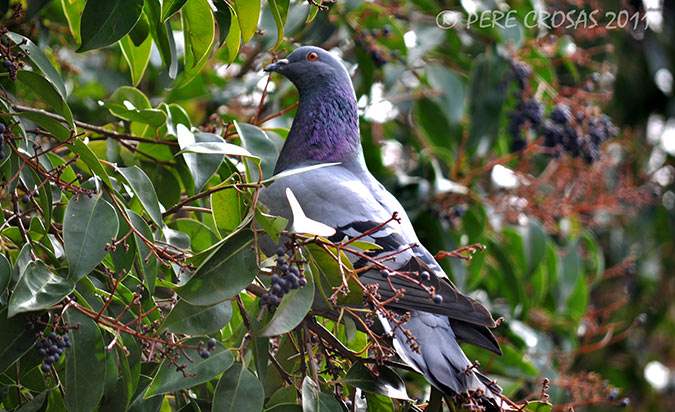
(144, 190)
(453, 89)
(259, 144)
(129, 103)
(148, 267)
(47, 92)
(37, 289)
(233, 39)
(538, 406)
(238, 390)
(534, 242)
(228, 209)
(5, 273)
(90, 159)
(201, 370)
(248, 12)
(291, 311)
(313, 400)
(202, 163)
(73, 10)
(48, 123)
(171, 7)
(137, 57)
(163, 37)
(228, 269)
(38, 58)
(85, 364)
(105, 22)
(89, 224)
(189, 319)
(386, 383)
(14, 339)
(279, 10)
(199, 34)
(223, 16)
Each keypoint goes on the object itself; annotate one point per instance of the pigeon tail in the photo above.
(441, 360)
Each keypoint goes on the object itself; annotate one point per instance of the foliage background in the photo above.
(579, 261)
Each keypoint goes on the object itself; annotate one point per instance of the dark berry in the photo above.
(211, 343)
(286, 285)
(205, 354)
(56, 356)
(283, 268)
(49, 359)
(458, 211)
(3, 128)
(378, 58)
(265, 297)
(561, 114)
(276, 288)
(61, 343)
(302, 282)
(68, 344)
(30, 326)
(2, 154)
(281, 260)
(59, 351)
(386, 30)
(25, 199)
(522, 72)
(425, 276)
(438, 299)
(613, 394)
(518, 145)
(274, 300)
(66, 338)
(53, 349)
(385, 273)
(295, 284)
(624, 402)
(42, 352)
(52, 337)
(294, 270)
(40, 345)
(280, 251)
(275, 278)
(46, 367)
(7, 64)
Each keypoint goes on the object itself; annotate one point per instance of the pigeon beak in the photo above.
(275, 67)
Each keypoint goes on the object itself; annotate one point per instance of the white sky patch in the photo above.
(379, 110)
(667, 141)
(664, 80)
(664, 176)
(392, 152)
(657, 374)
(654, 13)
(524, 332)
(504, 177)
(410, 39)
(471, 6)
(261, 85)
(655, 125)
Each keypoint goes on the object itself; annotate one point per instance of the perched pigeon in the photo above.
(349, 199)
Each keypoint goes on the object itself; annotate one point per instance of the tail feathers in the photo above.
(441, 359)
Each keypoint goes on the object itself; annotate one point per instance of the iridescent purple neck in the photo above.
(325, 128)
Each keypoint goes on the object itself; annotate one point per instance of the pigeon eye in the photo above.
(312, 57)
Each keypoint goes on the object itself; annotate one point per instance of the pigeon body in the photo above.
(348, 198)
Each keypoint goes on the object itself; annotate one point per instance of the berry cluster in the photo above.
(9, 62)
(210, 346)
(366, 39)
(287, 277)
(528, 113)
(578, 135)
(51, 349)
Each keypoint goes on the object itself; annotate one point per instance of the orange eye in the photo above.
(312, 56)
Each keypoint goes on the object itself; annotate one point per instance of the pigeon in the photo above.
(345, 196)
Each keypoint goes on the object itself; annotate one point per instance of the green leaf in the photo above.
(163, 37)
(485, 101)
(34, 404)
(5, 274)
(200, 370)
(14, 339)
(248, 12)
(171, 7)
(88, 225)
(313, 11)
(90, 159)
(453, 89)
(48, 123)
(143, 189)
(238, 390)
(228, 209)
(291, 311)
(199, 33)
(233, 39)
(37, 289)
(85, 363)
(256, 141)
(37, 57)
(73, 10)
(47, 92)
(315, 401)
(105, 22)
(137, 57)
(569, 272)
(578, 299)
(534, 242)
(194, 320)
(131, 104)
(201, 236)
(279, 12)
(216, 147)
(538, 406)
(225, 272)
(202, 165)
(285, 407)
(387, 383)
(223, 16)
(149, 268)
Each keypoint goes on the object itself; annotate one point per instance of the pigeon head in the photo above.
(310, 68)
(326, 124)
